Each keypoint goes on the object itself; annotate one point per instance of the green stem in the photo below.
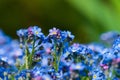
(27, 59)
(26, 55)
(26, 62)
(57, 58)
(55, 62)
(32, 53)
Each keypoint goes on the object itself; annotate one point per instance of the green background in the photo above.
(86, 19)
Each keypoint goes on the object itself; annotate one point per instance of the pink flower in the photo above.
(104, 66)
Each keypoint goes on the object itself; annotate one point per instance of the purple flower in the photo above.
(104, 66)
(54, 31)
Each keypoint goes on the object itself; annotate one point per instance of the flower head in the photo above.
(98, 75)
(22, 32)
(109, 37)
(37, 31)
(66, 35)
(54, 31)
(78, 66)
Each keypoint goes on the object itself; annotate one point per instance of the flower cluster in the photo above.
(10, 55)
(56, 57)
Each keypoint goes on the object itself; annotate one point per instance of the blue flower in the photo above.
(66, 35)
(109, 37)
(46, 77)
(36, 71)
(96, 47)
(4, 39)
(2, 70)
(98, 75)
(115, 78)
(37, 31)
(54, 58)
(77, 66)
(22, 32)
(69, 34)
(22, 74)
(47, 47)
(80, 49)
(116, 44)
(75, 48)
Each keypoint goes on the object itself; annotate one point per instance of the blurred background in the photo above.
(86, 19)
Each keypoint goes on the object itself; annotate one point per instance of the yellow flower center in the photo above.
(91, 61)
(36, 32)
(78, 67)
(94, 76)
(54, 32)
